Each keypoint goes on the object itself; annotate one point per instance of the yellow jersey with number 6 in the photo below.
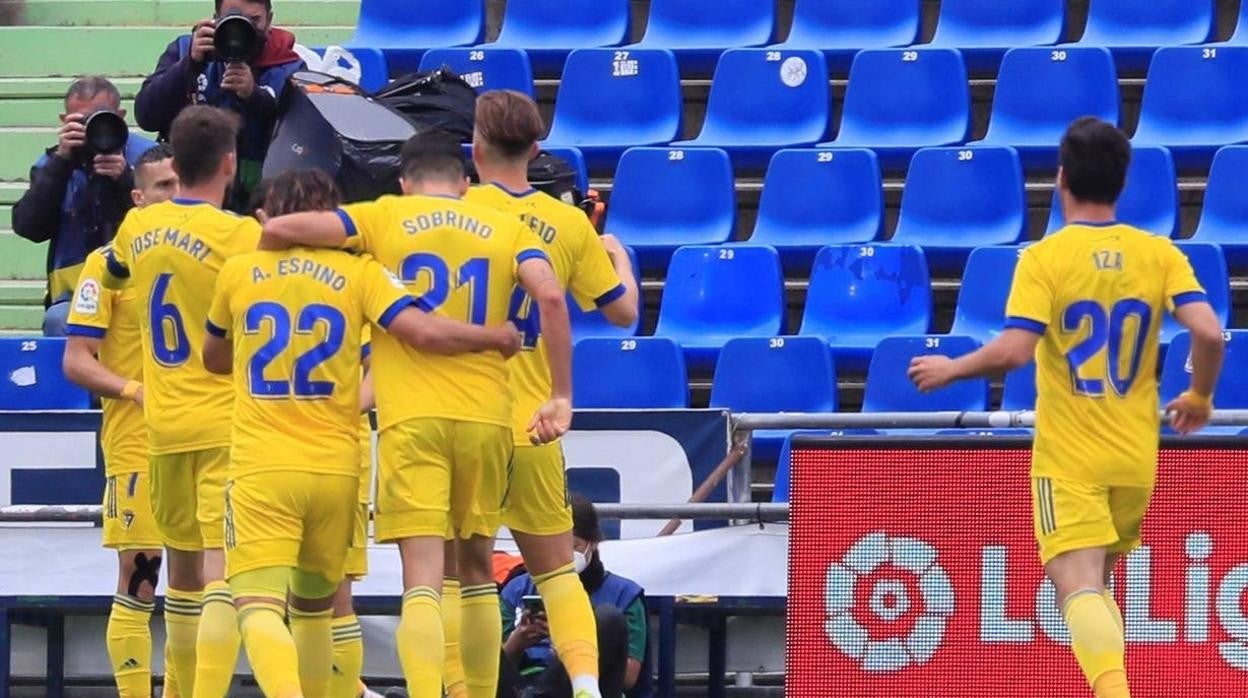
(295, 319)
(458, 259)
(171, 253)
(1096, 294)
(582, 266)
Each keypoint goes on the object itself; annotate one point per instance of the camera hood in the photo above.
(236, 39)
(106, 132)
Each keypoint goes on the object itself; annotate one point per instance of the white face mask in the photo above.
(579, 561)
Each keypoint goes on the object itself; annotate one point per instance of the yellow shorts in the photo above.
(357, 555)
(289, 519)
(128, 520)
(188, 497)
(1072, 515)
(440, 475)
(537, 492)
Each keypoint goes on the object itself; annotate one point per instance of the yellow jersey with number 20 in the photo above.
(1096, 295)
(171, 253)
(459, 259)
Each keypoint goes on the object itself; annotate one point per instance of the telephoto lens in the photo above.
(106, 134)
(236, 39)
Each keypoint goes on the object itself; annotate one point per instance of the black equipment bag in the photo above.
(547, 173)
(329, 124)
(434, 100)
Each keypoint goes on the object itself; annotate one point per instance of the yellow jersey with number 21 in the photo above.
(1097, 294)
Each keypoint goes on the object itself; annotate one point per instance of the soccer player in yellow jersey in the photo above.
(1087, 303)
(446, 421)
(598, 273)
(287, 324)
(169, 254)
(100, 356)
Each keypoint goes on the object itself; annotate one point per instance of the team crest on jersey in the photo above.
(127, 518)
(87, 301)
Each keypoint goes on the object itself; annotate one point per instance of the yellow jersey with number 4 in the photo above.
(295, 319)
(459, 259)
(1096, 294)
(171, 253)
(113, 317)
(582, 266)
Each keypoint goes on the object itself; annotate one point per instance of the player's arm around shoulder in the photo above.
(332, 229)
(90, 314)
(537, 277)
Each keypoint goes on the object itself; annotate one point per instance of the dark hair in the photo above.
(157, 153)
(295, 191)
(585, 519)
(432, 155)
(509, 122)
(88, 86)
(201, 137)
(1094, 158)
(268, 4)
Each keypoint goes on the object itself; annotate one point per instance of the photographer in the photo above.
(78, 196)
(193, 71)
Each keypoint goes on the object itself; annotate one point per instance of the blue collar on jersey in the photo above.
(516, 194)
(1103, 224)
(187, 202)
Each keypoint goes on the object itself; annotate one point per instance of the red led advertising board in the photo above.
(913, 572)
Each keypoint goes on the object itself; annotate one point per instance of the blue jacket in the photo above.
(73, 213)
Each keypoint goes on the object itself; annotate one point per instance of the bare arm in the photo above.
(1012, 348)
(82, 366)
(311, 229)
(1191, 410)
(538, 279)
(621, 312)
(439, 335)
(218, 355)
(632, 672)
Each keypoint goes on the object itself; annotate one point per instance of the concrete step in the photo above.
(54, 88)
(24, 145)
(124, 51)
(44, 111)
(6, 218)
(22, 259)
(10, 192)
(179, 13)
(21, 319)
(22, 292)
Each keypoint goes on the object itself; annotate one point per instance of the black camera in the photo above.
(236, 39)
(107, 134)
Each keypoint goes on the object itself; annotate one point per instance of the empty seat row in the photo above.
(858, 296)
(698, 31)
(896, 101)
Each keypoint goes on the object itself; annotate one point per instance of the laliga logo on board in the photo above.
(889, 601)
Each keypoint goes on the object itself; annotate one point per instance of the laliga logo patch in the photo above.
(87, 301)
(895, 630)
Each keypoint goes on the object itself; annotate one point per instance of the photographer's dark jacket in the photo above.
(73, 212)
(179, 82)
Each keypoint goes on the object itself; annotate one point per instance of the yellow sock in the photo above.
(1113, 608)
(171, 689)
(182, 613)
(420, 642)
(481, 639)
(348, 656)
(129, 640)
(270, 649)
(573, 631)
(1096, 641)
(314, 640)
(217, 643)
(452, 623)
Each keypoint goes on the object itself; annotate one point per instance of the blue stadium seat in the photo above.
(715, 293)
(859, 295)
(374, 68)
(630, 373)
(33, 379)
(550, 29)
(1231, 392)
(593, 323)
(984, 29)
(1041, 90)
(1210, 266)
(576, 159)
(486, 68)
(956, 199)
(1133, 30)
(841, 28)
(612, 100)
(980, 311)
(1195, 102)
(392, 24)
(890, 390)
(663, 198)
(813, 198)
(763, 100)
(1019, 392)
(1224, 219)
(698, 31)
(1150, 200)
(774, 374)
(900, 100)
